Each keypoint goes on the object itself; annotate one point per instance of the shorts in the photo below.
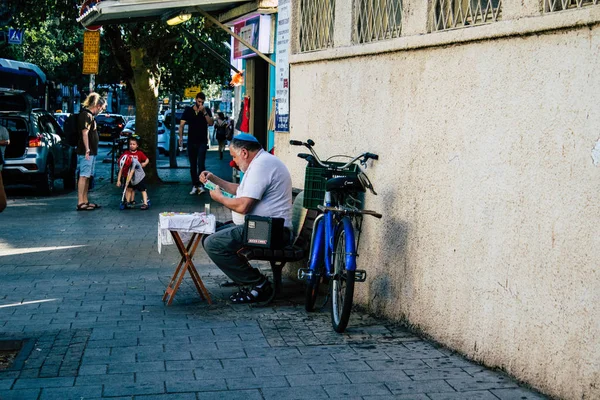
(86, 167)
(141, 186)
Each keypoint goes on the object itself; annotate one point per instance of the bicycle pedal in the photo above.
(360, 275)
(305, 273)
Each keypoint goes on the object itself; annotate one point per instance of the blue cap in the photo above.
(245, 137)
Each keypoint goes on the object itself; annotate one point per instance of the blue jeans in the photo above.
(197, 156)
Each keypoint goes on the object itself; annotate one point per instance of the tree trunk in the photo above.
(145, 86)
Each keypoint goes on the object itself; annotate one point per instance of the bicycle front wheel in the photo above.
(342, 284)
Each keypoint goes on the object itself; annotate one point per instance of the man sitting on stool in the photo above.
(265, 190)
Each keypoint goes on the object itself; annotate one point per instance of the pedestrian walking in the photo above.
(2, 192)
(4, 141)
(221, 133)
(198, 118)
(87, 148)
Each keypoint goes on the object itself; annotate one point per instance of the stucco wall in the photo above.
(490, 240)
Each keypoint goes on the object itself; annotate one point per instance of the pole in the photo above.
(92, 82)
(172, 143)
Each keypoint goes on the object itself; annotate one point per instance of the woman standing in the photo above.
(221, 135)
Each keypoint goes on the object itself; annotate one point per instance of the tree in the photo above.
(51, 41)
(152, 53)
(144, 55)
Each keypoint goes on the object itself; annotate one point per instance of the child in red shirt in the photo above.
(143, 160)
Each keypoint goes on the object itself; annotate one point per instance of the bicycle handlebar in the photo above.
(309, 145)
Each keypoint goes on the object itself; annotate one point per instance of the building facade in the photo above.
(484, 115)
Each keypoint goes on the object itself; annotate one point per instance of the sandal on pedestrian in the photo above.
(144, 207)
(84, 207)
(93, 206)
(257, 294)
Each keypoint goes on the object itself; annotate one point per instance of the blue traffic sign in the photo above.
(15, 36)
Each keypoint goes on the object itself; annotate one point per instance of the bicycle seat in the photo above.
(344, 184)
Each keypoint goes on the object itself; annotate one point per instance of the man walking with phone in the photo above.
(198, 119)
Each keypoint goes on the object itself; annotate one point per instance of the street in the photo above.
(84, 290)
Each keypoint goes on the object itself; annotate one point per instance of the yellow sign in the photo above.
(91, 52)
(192, 91)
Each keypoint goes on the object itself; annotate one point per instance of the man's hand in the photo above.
(216, 194)
(119, 183)
(205, 176)
(87, 155)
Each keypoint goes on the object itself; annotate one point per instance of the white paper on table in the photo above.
(184, 223)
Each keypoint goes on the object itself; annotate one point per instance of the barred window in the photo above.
(376, 20)
(559, 5)
(448, 14)
(316, 24)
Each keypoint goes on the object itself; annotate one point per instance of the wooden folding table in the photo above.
(198, 225)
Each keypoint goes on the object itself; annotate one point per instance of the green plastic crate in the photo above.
(316, 178)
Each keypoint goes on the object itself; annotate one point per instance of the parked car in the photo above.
(129, 128)
(163, 141)
(38, 152)
(110, 126)
(61, 118)
(162, 136)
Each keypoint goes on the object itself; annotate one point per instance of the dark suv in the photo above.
(38, 152)
(110, 126)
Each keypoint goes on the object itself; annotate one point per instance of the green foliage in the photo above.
(52, 45)
(54, 41)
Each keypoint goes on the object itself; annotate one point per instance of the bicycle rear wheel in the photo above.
(342, 284)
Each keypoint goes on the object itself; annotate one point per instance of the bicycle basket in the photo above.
(316, 178)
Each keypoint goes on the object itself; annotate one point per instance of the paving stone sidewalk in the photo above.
(84, 289)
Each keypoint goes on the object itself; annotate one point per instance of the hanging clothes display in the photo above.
(245, 125)
(238, 123)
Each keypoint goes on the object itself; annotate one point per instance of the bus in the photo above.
(24, 76)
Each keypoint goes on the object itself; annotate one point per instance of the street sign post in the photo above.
(85, 7)
(91, 52)
(191, 92)
(15, 36)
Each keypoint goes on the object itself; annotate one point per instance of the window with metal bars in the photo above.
(316, 24)
(376, 20)
(560, 5)
(449, 14)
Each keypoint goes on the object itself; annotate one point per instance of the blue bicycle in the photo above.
(334, 188)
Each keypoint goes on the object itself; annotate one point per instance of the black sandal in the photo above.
(93, 206)
(245, 296)
(84, 207)
(144, 207)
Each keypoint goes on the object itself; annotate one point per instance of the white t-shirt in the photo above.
(267, 180)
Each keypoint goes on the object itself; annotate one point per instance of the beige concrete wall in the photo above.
(490, 241)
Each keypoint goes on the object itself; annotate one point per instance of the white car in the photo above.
(129, 128)
(163, 137)
(178, 114)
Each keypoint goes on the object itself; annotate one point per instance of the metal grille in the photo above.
(376, 20)
(316, 24)
(559, 5)
(448, 14)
